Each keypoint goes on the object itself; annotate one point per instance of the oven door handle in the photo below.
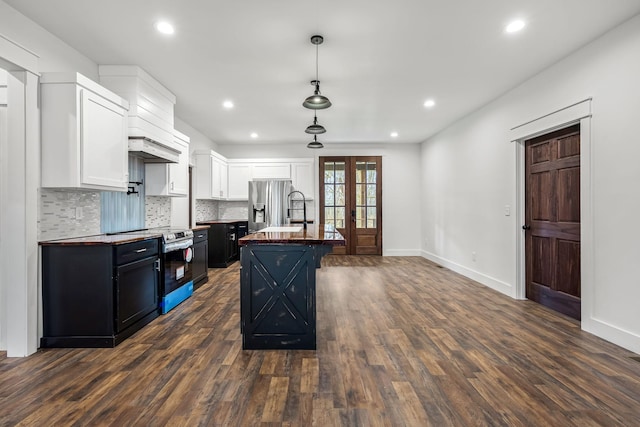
(175, 246)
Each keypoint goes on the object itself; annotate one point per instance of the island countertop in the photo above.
(314, 235)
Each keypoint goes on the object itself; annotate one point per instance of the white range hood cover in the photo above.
(152, 151)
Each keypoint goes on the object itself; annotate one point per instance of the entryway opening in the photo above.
(351, 201)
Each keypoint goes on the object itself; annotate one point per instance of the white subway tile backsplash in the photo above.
(68, 213)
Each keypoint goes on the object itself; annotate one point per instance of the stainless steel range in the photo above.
(176, 285)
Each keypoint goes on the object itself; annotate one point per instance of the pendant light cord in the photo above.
(317, 64)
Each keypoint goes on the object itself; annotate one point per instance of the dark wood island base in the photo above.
(278, 287)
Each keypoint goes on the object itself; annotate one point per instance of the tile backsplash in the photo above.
(206, 210)
(68, 213)
(219, 209)
(158, 211)
(233, 210)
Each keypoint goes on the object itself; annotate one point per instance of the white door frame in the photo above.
(20, 182)
(580, 112)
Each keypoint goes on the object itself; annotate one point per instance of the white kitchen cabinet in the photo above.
(302, 178)
(211, 175)
(223, 186)
(239, 177)
(271, 170)
(241, 171)
(84, 134)
(170, 179)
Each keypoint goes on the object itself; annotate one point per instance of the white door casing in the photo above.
(19, 184)
(580, 112)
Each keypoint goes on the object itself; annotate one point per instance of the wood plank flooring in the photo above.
(401, 342)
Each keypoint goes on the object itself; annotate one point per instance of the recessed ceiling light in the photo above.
(429, 103)
(254, 135)
(164, 27)
(227, 104)
(514, 26)
(394, 134)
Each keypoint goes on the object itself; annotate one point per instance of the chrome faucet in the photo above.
(304, 207)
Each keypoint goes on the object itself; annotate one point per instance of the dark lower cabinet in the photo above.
(199, 265)
(136, 285)
(223, 242)
(98, 295)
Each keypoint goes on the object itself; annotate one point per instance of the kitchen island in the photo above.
(278, 285)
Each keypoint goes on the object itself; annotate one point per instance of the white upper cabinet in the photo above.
(271, 170)
(211, 175)
(302, 178)
(170, 179)
(239, 177)
(221, 185)
(84, 134)
(241, 171)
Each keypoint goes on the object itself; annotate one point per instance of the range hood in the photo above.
(150, 115)
(152, 151)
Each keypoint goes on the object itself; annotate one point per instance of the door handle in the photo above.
(353, 215)
(526, 227)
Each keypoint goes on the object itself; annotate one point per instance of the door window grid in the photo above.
(334, 194)
(366, 177)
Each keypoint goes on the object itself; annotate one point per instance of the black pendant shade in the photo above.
(315, 128)
(315, 143)
(316, 101)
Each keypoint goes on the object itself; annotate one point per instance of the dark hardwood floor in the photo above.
(401, 342)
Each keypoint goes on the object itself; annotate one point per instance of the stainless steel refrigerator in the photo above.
(268, 203)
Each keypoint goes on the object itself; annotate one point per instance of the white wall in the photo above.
(3, 160)
(53, 53)
(198, 140)
(469, 175)
(400, 183)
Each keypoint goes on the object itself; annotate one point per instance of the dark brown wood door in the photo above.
(351, 200)
(552, 220)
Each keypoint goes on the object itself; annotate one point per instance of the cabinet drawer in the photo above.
(135, 251)
(199, 236)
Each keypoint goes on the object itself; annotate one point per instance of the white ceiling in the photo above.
(379, 62)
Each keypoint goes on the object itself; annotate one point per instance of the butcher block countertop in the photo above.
(313, 235)
(200, 227)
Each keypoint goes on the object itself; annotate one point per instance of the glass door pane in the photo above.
(334, 194)
(366, 195)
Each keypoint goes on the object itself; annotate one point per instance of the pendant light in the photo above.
(315, 128)
(316, 101)
(315, 143)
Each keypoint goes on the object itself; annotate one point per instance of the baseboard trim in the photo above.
(488, 281)
(611, 333)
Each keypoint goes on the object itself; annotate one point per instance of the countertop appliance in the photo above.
(268, 203)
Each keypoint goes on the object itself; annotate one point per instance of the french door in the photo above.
(351, 201)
